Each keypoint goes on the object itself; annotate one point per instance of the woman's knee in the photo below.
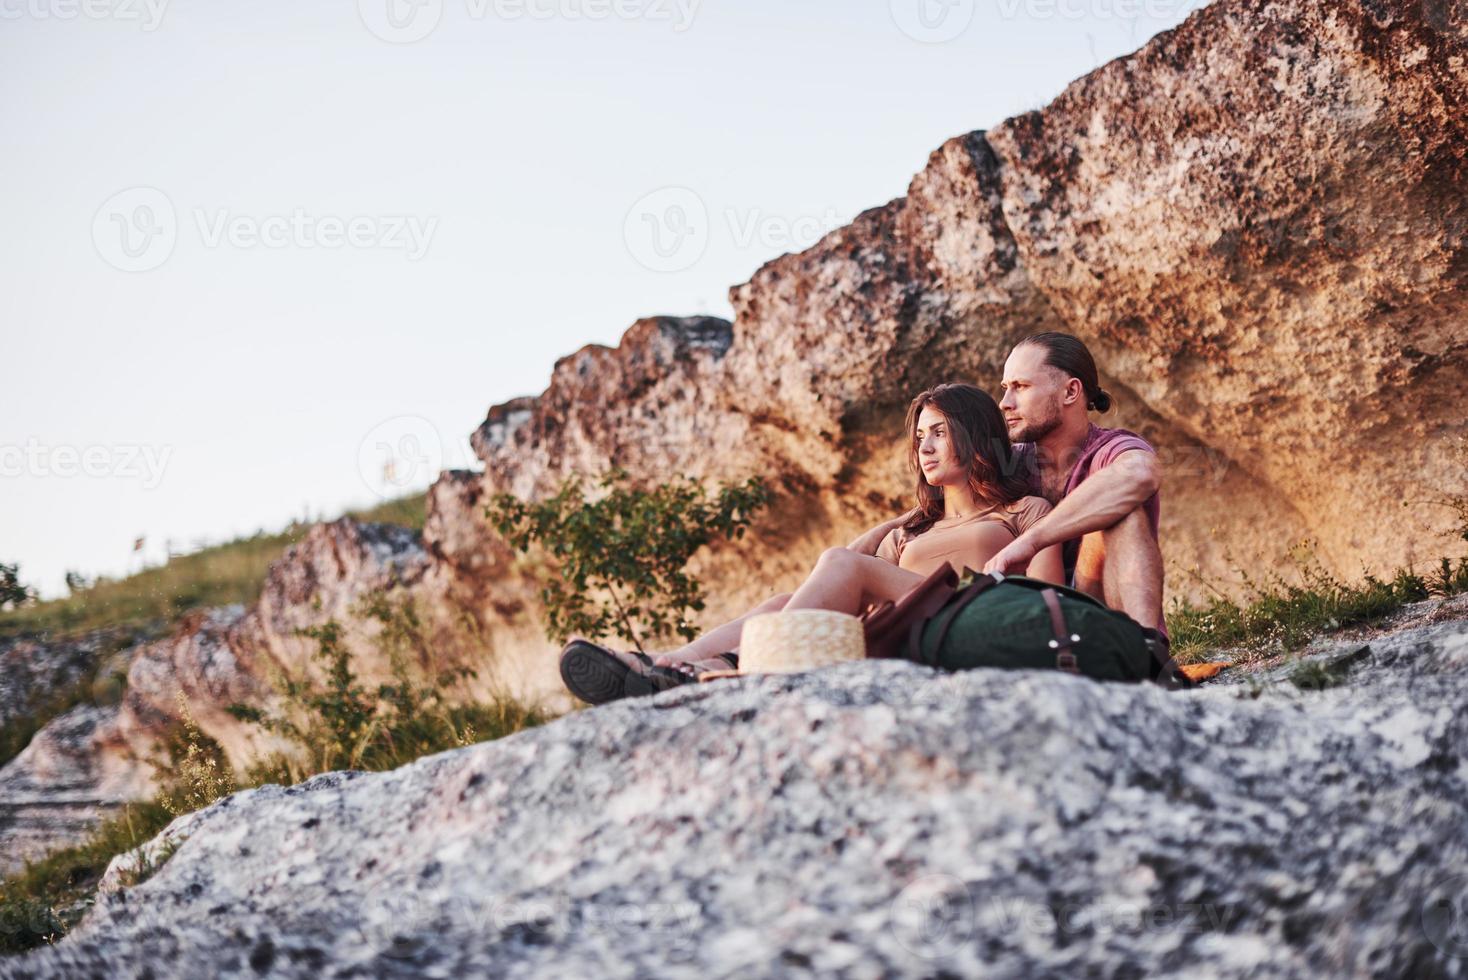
(774, 603)
(836, 556)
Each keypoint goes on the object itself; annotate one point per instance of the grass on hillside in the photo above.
(143, 606)
(214, 576)
(1279, 616)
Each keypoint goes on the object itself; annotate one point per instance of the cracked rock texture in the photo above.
(867, 820)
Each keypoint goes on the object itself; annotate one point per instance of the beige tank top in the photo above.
(966, 543)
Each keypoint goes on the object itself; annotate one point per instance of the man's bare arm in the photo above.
(869, 542)
(1103, 499)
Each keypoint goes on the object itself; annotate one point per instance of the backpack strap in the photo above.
(956, 605)
(1064, 638)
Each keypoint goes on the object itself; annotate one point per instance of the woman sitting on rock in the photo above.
(971, 503)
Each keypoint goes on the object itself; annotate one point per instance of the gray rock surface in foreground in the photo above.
(868, 820)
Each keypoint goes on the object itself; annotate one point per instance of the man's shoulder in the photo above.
(1114, 442)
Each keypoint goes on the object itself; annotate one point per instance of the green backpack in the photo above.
(1021, 623)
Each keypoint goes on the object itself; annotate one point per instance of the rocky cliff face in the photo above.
(874, 819)
(1257, 221)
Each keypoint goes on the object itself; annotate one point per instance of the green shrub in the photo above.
(197, 773)
(12, 593)
(343, 723)
(616, 564)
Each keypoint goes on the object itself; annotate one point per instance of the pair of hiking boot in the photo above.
(596, 674)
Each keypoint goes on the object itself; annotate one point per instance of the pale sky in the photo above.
(251, 249)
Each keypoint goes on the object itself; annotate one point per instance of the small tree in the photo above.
(617, 562)
(13, 595)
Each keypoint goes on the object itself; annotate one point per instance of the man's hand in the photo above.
(1016, 556)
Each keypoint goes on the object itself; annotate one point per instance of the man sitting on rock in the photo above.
(1103, 482)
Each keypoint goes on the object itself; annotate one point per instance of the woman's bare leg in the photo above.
(842, 580)
(720, 639)
(847, 582)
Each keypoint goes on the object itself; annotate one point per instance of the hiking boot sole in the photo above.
(597, 677)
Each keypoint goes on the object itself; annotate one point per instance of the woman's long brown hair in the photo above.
(977, 433)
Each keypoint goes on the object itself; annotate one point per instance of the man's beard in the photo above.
(1038, 429)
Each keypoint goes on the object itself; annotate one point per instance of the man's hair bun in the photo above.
(1070, 357)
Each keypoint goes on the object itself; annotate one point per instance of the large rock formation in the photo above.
(874, 819)
(1257, 220)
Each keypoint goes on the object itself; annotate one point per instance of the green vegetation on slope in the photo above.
(1279, 616)
(214, 576)
(338, 724)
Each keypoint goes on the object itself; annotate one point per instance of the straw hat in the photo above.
(799, 639)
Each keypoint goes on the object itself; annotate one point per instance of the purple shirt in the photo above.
(1101, 447)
